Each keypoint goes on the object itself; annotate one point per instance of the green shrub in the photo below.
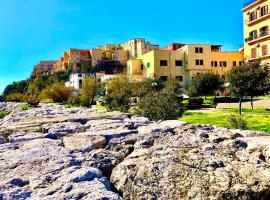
(16, 97)
(161, 105)
(74, 101)
(3, 114)
(238, 122)
(118, 94)
(56, 92)
(25, 107)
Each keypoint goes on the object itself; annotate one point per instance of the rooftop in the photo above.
(249, 2)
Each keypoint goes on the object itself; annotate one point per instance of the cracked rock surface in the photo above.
(54, 152)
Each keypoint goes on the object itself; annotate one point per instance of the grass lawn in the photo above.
(257, 119)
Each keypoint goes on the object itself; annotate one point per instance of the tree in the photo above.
(32, 93)
(56, 92)
(239, 79)
(86, 66)
(259, 80)
(139, 89)
(161, 105)
(89, 90)
(204, 84)
(118, 93)
(251, 79)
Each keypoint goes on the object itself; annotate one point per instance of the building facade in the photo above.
(77, 60)
(173, 46)
(137, 47)
(256, 16)
(184, 63)
(43, 68)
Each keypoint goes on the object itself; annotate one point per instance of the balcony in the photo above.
(263, 35)
(259, 19)
(258, 57)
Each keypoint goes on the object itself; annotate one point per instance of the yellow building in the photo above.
(184, 63)
(138, 47)
(256, 15)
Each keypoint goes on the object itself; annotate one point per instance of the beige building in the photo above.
(256, 16)
(43, 68)
(138, 47)
(184, 63)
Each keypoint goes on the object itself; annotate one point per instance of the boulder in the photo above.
(84, 143)
(186, 166)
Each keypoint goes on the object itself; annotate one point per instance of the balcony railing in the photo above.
(255, 37)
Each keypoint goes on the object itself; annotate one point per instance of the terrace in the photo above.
(251, 3)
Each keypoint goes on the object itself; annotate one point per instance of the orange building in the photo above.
(43, 68)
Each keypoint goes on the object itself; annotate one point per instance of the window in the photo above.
(148, 65)
(164, 78)
(178, 63)
(224, 64)
(252, 16)
(141, 67)
(220, 63)
(199, 62)
(163, 63)
(234, 63)
(198, 50)
(240, 63)
(263, 31)
(79, 75)
(264, 50)
(253, 53)
(264, 11)
(179, 78)
(253, 35)
(214, 63)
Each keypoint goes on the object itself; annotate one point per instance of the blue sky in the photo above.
(34, 30)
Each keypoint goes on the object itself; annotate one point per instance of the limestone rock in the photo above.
(84, 143)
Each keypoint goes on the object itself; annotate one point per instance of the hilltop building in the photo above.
(138, 47)
(184, 63)
(43, 68)
(76, 60)
(256, 15)
(173, 46)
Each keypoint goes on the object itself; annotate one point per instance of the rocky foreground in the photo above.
(55, 153)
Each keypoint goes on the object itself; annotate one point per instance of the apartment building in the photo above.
(138, 47)
(109, 53)
(184, 63)
(173, 46)
(73, 59)
(256, 15)
(43, 68)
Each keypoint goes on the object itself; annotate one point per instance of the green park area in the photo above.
(257, 119)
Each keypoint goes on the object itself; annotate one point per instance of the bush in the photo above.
(25, 107)
(238, 122)
(15, 97)
(118, 94)
(74, 101)
(57, 92)
(89, 90)
(161, 105)
(3, 114)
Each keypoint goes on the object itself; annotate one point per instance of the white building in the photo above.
(76, 80)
